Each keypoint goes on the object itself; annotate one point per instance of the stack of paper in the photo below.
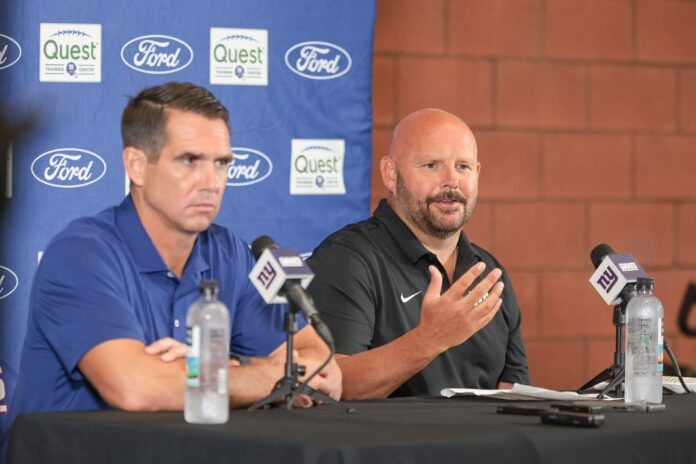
(520, 392)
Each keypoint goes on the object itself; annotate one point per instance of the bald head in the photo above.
(431, 173)
(425, 129)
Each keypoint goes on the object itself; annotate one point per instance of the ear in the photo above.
(388, 169)
(135, 164)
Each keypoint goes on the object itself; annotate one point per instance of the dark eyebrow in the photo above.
(188, 154)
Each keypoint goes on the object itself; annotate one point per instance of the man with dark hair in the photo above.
(107, 317)
(404, 292)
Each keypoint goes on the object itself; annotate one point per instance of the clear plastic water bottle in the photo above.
(644, 357)
(208, 337)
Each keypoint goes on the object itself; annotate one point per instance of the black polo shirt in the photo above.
(369, 285)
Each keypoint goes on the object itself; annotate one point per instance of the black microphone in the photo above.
(599, 252)
(291, 288)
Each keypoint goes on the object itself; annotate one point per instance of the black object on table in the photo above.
(417, 430)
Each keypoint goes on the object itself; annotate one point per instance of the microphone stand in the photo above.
(615, 373)
(289, 387)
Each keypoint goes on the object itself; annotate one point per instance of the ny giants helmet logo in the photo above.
(68, 168)
(157, 54)
(318, 60)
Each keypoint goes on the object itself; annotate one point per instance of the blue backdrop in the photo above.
(295, 75)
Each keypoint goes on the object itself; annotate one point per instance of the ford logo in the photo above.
(68, 168)
(248, 167)
(8, 282)
(157, 54)
(10, 51)
(318, 60)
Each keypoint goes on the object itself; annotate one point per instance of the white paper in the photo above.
(669, 382)
(520, 392)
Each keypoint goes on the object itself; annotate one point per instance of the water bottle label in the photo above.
(222, 381)
(193, 336)
(641, 344)
(660, 347)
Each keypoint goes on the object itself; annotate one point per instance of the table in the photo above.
(414, 430)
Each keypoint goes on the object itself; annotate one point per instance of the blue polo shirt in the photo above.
(102, 278)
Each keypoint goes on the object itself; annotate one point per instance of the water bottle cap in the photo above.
(209, 287)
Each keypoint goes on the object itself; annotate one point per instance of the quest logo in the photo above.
(157, 54)
(316, 167)
(68, 168)
(10, 51)
(8, 282)
(248, 167)
(318, 60)
(238, 56)
(70, 52)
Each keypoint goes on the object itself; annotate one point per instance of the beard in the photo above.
(432, 221)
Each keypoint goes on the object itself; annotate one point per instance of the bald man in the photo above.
(413, 305)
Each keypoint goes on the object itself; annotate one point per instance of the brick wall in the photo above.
(585, 115)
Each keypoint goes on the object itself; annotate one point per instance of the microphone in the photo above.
(281, 276)
(615, 275)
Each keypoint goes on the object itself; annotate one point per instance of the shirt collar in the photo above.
(409, 243)
(146, 256)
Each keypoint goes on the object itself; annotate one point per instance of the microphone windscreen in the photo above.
(599, 252)
(259, 245)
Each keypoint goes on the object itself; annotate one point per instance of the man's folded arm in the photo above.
(128, 378)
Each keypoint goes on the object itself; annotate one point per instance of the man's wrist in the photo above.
(424, 343)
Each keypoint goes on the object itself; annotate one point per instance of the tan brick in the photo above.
(410, 26)
(570, 306)
(670, 288)
(625, 97)
(665, 31)
(509, 165)
(541, 95)
(688, 101)
(458, 86)
(495, 27)
(526, 286)
(686, 234)
(558, 365)
(538, 235)
(684, 349)
(644, 230)
(665, 167)
(383, 91)
(479, 228)
(587, 166)
(593, 29)
(380, 147)
(600, 354)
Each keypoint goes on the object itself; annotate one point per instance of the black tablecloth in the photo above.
(414, 430)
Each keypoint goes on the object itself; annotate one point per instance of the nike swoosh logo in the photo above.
(409, 298)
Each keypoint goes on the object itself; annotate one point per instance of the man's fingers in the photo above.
(169, 349)
(321, 384)
(484, 287)
(302, 401)
(490, 314)
(487, 303)
(459, 287)
(174, 353)
(161, 345)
